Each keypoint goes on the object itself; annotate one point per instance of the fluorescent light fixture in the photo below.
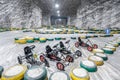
(58, 12)
(56, 5)
(60, 20)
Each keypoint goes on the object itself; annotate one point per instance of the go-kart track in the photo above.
(9, 51)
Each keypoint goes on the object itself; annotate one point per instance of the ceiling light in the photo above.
(59, 19)
(56, 5)
(58, 12)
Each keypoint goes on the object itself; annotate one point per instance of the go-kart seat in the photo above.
(28, 52)
(62, 45)
(48, 49)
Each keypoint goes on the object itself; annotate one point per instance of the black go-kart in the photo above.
(89, 46)
(29, 57)
(61, 59)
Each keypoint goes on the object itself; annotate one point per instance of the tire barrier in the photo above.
(114, 44)
(108, 50)
(83, 37)
(42, 40)
(73, 37)
(97, 60)
(36, 73)
(98, 51)
(111, 47)
(14, 73)
(59, 76)
(103, 56)
(21, 41)
(36, 38)
(88, 65)
(50, 39)
(30, 41)
(57, 38)
(79, 74)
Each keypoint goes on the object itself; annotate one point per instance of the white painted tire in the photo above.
(97, 60)
(108, 50)
(79, 74)
(103, 56)
(90, 66)
(98, 51)
(36, 73)
(59, 76)
(14, 73)
(111, 47)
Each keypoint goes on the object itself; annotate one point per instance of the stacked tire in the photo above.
(36, 73)
(88, 65)
(79, 74)
(43, 40)
(14, 73)
(59, 76)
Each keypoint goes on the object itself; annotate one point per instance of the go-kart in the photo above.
(29, 57)
(89, 46)
(55, 55)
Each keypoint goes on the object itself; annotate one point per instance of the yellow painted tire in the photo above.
(111, 47)
(21, 41)
(114, 44)
(9, 74)
(79, 74)
(97, 60)
(29, 38)
(98, 51)
(83, 37)
(42, 39)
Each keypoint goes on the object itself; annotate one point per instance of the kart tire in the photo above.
(36, 73)
(111, 47)
(88, 65)
(14, 73)
(36, 38)
(57, 38)
(114, 44)
(59, 75)
(73, 37)
(108, 50)
(21, 41)
(42, 40)
(1, 71)
(103, 56)
(30, 41)
(97, 60)
(50, 39)
(98, 51)
(79, 74)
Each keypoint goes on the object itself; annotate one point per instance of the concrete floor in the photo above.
(10, 50)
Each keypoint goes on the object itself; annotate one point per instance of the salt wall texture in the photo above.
(99, 15)
(19, 14)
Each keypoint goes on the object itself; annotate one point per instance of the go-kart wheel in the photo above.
(19, 60)
(78, 53)
(77, 44)
(69, 58)
(60, 66)
(95, 46)
(42, 59)
(83, 45)
(89, 48)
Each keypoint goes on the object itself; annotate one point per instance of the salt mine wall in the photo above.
(99, 15)
(19, 14)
